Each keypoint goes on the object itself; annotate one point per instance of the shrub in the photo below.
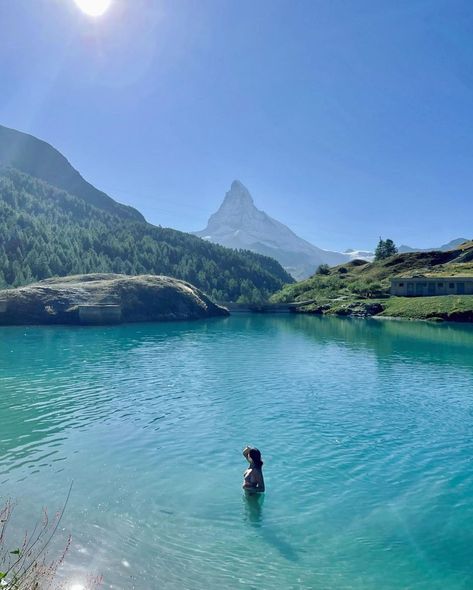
(323, 269)
(26, 565)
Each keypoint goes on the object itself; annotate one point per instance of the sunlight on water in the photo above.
(365, 429)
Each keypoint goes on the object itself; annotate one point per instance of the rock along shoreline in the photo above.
(105, 299)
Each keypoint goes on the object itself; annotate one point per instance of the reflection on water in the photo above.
(269, 533)
(373, 420)
(254, 508)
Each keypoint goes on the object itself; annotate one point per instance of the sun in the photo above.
(94, 7)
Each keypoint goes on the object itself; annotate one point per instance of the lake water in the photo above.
(365, 427)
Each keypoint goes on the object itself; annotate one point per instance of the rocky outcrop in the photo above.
(360, 309)
(104, 299)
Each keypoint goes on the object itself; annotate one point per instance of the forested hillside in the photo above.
(39, 159)
(45, 231)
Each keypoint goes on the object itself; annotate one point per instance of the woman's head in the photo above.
(255, 457)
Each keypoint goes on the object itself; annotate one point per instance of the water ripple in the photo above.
(365, 429)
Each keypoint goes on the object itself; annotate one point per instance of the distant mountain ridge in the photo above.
(403, 249)
(39, 159)
(444, 248)
(239, 224)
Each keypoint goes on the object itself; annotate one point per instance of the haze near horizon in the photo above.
(345, 122)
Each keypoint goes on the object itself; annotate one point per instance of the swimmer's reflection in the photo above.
(271, 535)
(254, 508)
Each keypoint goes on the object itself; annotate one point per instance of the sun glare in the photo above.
(94, 7)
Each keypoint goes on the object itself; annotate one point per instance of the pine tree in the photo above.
(385, 249)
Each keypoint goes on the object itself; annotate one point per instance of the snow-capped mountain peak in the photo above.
(238, 223)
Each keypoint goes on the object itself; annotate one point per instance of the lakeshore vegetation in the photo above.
(362, 288)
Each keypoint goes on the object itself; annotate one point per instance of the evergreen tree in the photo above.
(385, 249)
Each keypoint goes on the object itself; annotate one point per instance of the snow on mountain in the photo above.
(239, 224)
(360, 255)
(369, 256)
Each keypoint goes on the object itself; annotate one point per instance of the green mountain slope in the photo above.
(45, 231)
(40, 160)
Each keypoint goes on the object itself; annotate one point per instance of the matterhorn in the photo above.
(239, 224)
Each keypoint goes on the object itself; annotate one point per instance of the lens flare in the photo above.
(94, 7)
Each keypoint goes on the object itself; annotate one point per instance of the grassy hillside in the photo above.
(45, 231)
(446, 307)
(362, 288)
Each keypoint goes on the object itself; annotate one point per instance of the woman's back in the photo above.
(253, 480)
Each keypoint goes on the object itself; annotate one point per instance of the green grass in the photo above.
(457, 308)
(446, 307)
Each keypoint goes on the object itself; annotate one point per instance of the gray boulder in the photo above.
(105, 299)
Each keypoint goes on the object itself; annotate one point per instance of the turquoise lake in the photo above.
(365, 428)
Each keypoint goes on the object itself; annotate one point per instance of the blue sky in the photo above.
(347, 120)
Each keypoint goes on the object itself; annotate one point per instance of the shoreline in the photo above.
(387, 318)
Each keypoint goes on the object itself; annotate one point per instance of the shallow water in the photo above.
(366, 430)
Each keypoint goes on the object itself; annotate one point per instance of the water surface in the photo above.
(366, 430)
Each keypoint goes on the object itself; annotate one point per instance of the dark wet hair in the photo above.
(256, 458)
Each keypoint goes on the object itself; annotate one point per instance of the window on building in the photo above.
(440, 285)
(401, 284)
(451, 285)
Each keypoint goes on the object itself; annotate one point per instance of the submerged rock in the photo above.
(105, 299)
(360, 309)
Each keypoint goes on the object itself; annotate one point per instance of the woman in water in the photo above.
(253, 481)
